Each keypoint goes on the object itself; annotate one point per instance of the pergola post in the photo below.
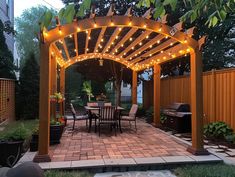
(62, 90)
(53, 89)
(44, 104)
(196, 103)
(134, 87)
(156, 94)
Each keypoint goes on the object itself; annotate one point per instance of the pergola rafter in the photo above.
(150, 43)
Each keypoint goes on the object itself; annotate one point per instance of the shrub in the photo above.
(217, 130)
(20, 133)
(163, 118)
(230, 138)
(149, 114)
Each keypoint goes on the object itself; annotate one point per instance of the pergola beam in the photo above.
(123, 40)
(145, 46)
(112, 39)
(87, 40)
(136, 42)
(168, 54)
(76, 43)
(155, 50)
(66, 49)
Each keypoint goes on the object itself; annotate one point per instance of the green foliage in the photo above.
(230, 138)
(7, 66)
(214, 11)
(86, 87)
(218, 170)
(18, 130)
(163, 118)
(29, 89)
(218, 130)
(27, 32)
(20, 133)
(149, 114)
(55, 173)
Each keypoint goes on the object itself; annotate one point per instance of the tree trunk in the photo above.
(117, 93)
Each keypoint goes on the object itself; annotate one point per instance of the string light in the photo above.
(158, 41)
(78, 29)
(86, 32)
(70, 36)
(140, 43)
(150, 46)
(160, 29)
(147, 37)
(95, 25)
(131, 39)
(102, 40)
(117, 37)
(119, 29)
(171, 44)
(145, 26)
(60, 31)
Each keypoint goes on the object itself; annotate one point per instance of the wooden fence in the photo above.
(7, 99)
(218, 94)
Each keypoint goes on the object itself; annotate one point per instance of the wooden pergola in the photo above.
(136, 42)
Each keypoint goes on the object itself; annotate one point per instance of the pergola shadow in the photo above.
(136, 42)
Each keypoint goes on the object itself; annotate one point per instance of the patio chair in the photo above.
(107, 115)
(77, 118)
(131, 117)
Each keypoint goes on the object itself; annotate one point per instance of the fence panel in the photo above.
(218, 94)
(7, 99)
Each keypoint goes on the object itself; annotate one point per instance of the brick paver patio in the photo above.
(148, 141)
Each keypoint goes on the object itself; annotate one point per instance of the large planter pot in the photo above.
(34, 142)
(10, 152)
(56, 132)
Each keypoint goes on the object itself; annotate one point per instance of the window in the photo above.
(124, 84)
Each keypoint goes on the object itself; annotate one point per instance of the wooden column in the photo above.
(156, 94)
(62, 80)
(134, 87)
(62, 90)
(53, 88)
(196, 104)
(44, 105)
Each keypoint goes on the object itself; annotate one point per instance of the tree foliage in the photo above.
(7, 66)
(214, 11)
(29, 89)
(27, 32)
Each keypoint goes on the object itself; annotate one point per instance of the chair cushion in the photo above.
(133, 111)
(127, 118)
(81, 117)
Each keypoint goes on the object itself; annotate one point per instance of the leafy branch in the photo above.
(215, 11)
(66, 14)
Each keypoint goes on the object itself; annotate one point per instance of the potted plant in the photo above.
(11, 145)
(34, 141)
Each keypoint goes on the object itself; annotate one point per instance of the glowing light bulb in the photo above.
(112, 24)
(160, 29)
(147, 37)
(171, 44)
(140, 43)
(158, 41)
(60, 31)
(78, 29)
(150, 46)
(145, 26)
(95, 25)
(130, 23)
(131, 39)
(70, 36)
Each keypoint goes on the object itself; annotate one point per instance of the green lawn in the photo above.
(217, 170)
(54, 173)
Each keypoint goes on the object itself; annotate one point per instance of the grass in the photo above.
(216, 170)
(30, 125)
(54, 173)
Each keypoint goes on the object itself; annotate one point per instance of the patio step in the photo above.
(130, 164)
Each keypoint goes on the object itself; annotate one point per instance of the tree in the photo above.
(86, 87)
(27, 32)
(110, 71)
(214, 11)
(7, 66)
(29, 89)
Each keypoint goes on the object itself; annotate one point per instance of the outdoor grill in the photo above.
(178, 117)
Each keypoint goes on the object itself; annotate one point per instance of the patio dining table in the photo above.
(92, 109)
